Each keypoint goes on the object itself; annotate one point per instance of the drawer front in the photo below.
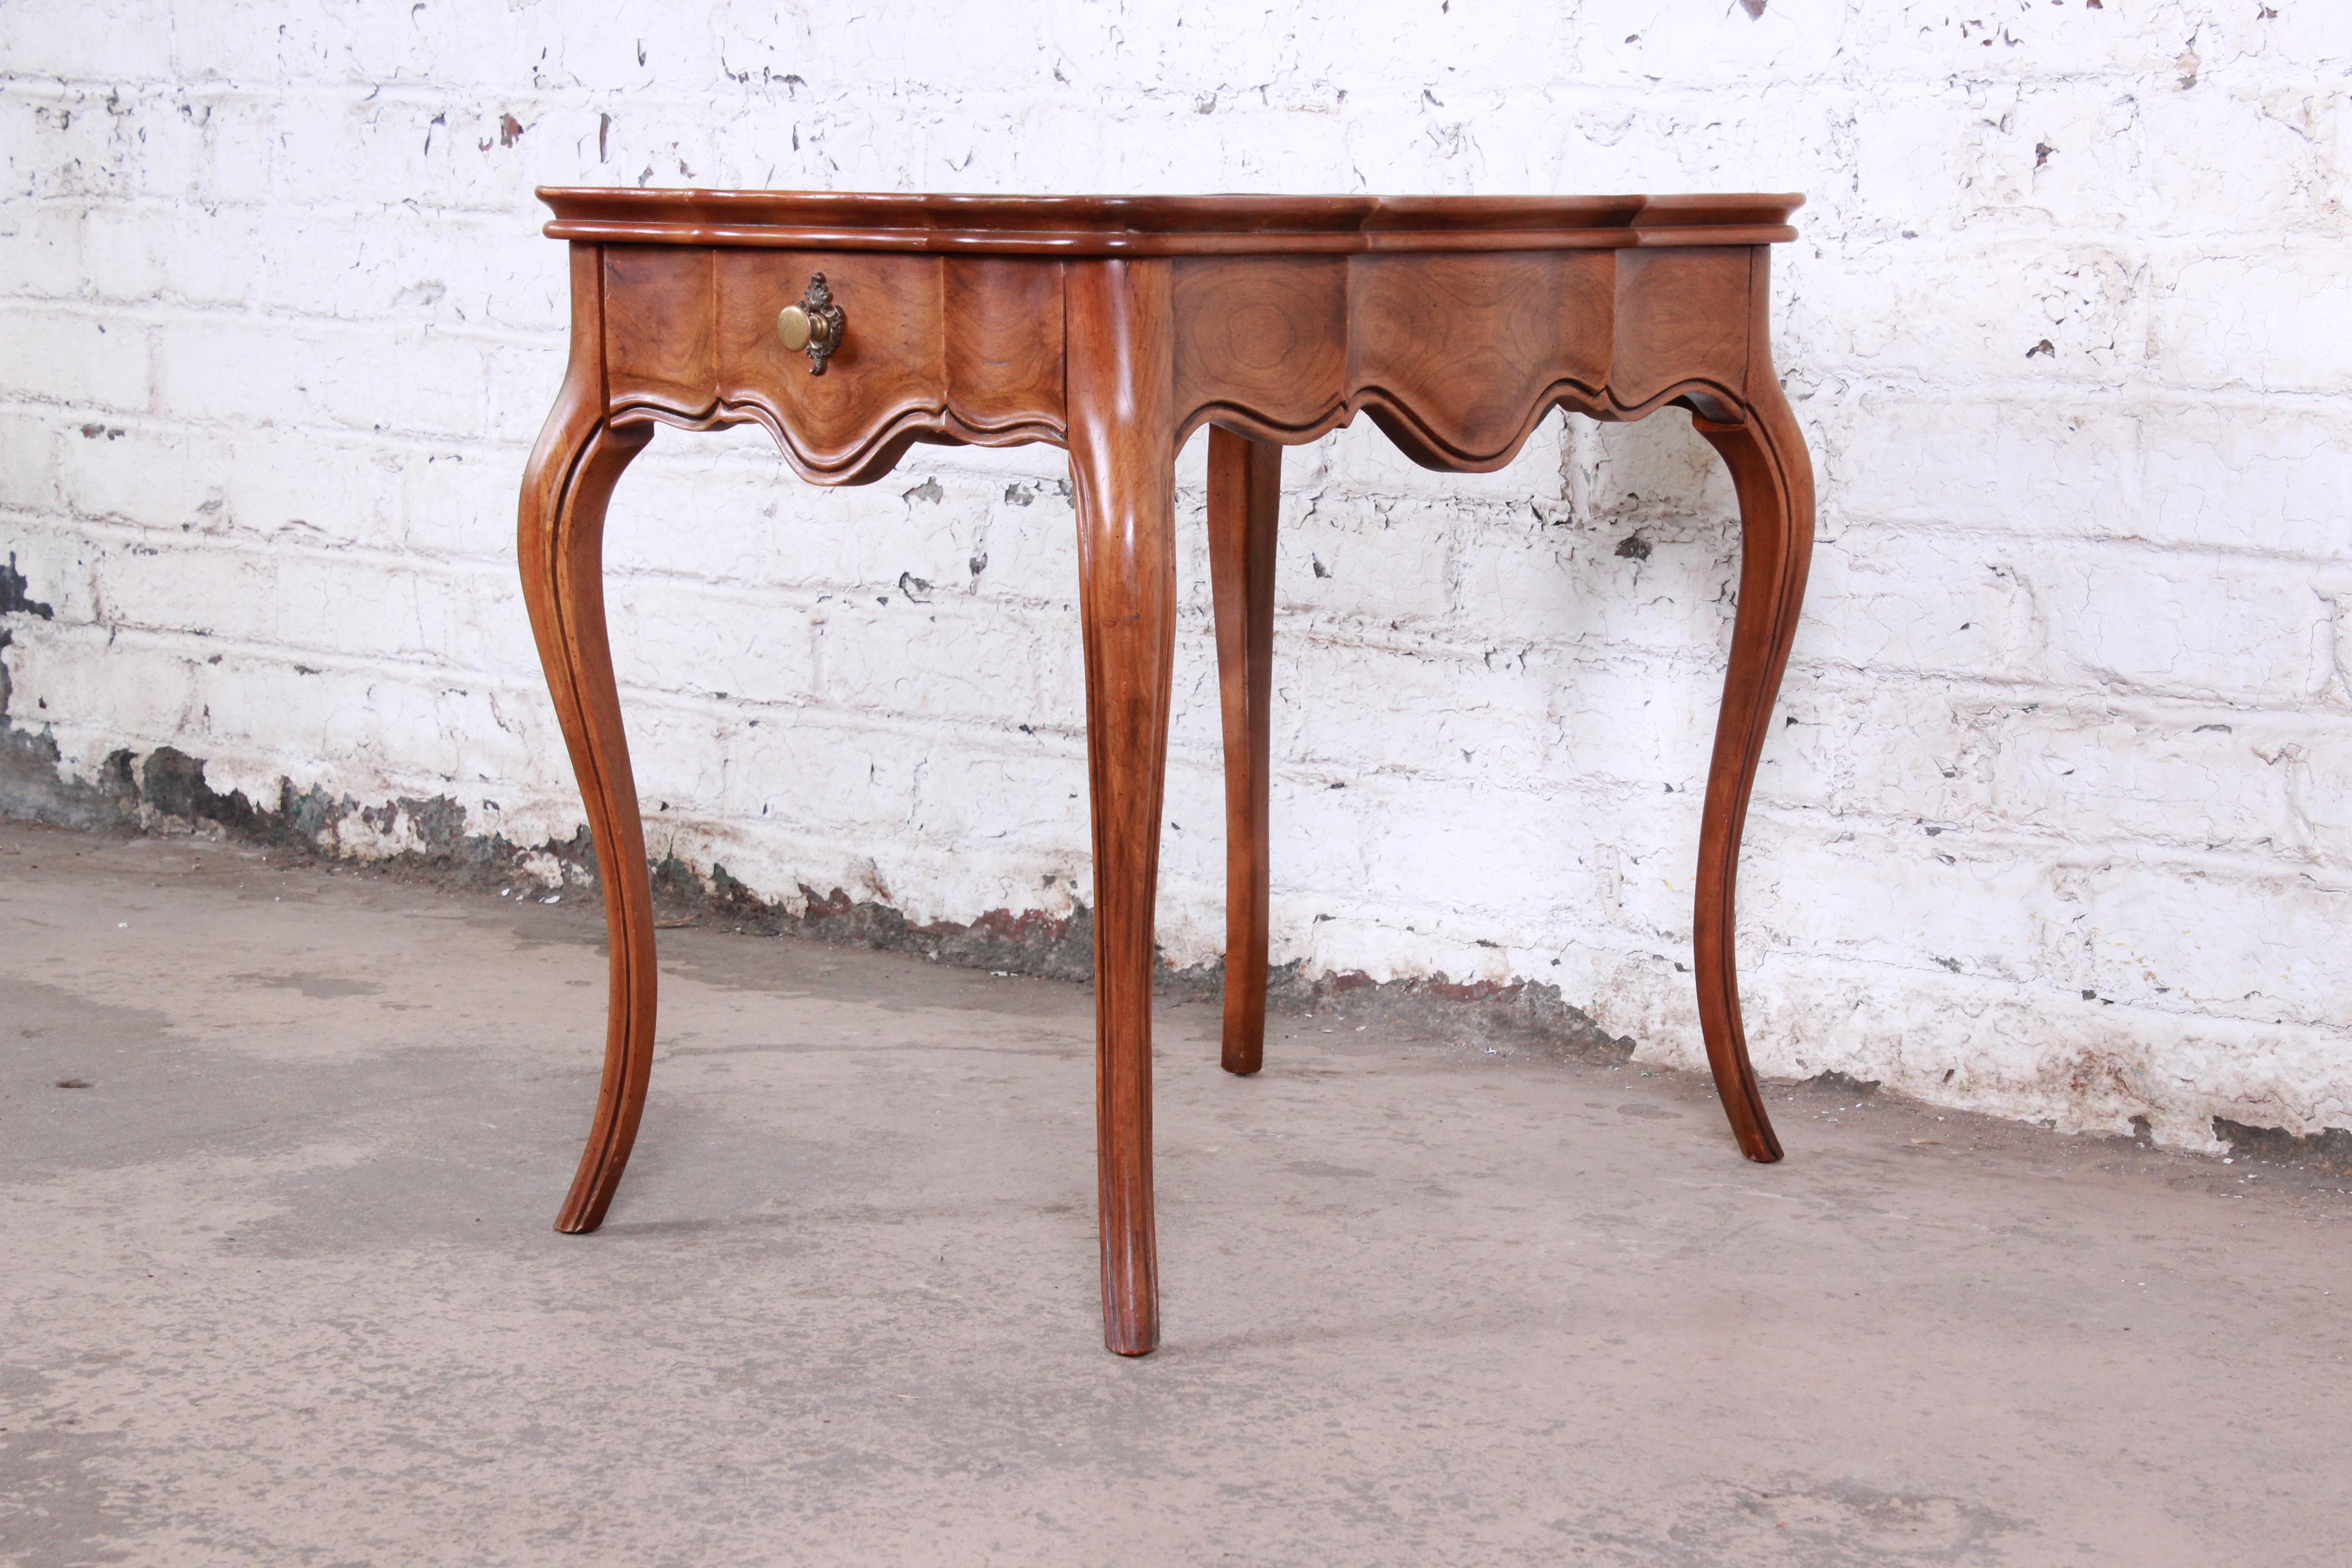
(891, 365)
(943, 348)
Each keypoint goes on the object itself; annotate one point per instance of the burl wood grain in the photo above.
(957, 350)
(1116, 327)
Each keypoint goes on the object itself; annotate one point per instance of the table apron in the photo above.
(1457, 355)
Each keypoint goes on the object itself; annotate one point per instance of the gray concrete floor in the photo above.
(279, 1285)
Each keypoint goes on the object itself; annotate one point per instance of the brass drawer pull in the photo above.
(814, 324)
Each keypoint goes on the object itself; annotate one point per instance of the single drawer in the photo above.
(940, 348)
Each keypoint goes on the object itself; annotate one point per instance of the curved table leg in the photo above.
(571, 473)
(1774, 476)
(1123, 468)
(1244, 501)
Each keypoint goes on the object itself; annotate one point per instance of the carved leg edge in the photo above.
(1773, 476)
(579, 458)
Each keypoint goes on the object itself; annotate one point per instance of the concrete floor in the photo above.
(279, 1285)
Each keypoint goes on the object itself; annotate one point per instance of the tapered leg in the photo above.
(1244, 497)
(570, 478)
(1774, 476)
(1122, 468)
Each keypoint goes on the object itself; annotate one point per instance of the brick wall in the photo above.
(2059, 821)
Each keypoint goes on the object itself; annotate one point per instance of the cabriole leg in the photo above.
(1123, 467)
(1774, 476)
(572, 470)
(1244, 500)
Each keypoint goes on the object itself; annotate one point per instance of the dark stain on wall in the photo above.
(2330, 1149)
(169, 793)
(14, 599)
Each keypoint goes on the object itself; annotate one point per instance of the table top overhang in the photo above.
(1161, 226)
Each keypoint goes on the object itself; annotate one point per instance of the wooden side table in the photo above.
(854, 326)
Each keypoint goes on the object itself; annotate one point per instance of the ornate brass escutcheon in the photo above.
(814, 324)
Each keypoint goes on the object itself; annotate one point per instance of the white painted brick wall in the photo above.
(2059, 821)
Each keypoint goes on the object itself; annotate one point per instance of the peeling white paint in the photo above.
(2058, 821)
